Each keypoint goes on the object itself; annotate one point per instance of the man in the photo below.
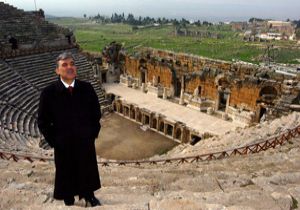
(68, 117)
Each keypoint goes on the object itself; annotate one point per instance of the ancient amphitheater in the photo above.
(237, 123)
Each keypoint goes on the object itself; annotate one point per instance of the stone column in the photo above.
(165, 128)
(217, 103)
(136, 114)
(143, 87)
(123, 110)
(118, 107)
(143, 119)
(165, 93)
(210, 110)
(154, 81)
(227, 103)
(181, 100)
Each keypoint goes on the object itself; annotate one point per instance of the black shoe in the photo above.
(92, 201)
(69, 201)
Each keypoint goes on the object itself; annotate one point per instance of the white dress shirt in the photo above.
(67, 85)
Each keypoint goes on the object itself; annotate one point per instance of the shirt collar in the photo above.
(67, 85)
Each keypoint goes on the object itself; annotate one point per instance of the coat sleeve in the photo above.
(96, 112)
(44, 120)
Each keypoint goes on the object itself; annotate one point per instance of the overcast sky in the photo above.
(212, 10)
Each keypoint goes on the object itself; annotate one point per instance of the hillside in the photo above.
(228, 45)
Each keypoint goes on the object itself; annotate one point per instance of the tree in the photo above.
(298, 33)
(84, 15)
(251, 20)
(130, 19)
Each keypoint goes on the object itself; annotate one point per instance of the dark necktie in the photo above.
(70, 89)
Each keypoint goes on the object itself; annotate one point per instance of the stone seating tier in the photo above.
(27, 27)
(22, 79)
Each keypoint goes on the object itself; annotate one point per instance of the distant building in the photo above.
(239, 26)
(268, 30)
(286, 29)
(269, 36)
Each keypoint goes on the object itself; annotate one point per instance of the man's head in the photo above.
(65, 67)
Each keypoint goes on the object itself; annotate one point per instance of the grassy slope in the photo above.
(93, 37)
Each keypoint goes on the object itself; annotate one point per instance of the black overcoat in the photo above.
(70, 124)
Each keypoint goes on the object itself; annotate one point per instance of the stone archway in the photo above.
(177, 87)
(14, 43)
(132, 113)
(262, 112)
(178, 134)
(138, 116)
(169, 130)
(161, 126)
(114, 106)
(223, 97)
(223, 93)
(143, 76)
(268, 94)
(146, 119)
(154, 123)
(143, 70)
(103, 77)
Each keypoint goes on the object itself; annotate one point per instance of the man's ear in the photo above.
(57, 71)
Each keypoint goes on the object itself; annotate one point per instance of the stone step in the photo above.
(268, 180)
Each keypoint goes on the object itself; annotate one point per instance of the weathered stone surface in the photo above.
(235, 183)
(249, 88)
(170, 204)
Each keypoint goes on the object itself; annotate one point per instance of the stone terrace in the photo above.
(201, 122)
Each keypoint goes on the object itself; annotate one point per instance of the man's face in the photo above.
(67, 69)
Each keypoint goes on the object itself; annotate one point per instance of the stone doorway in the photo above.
(143, 76)
(223, 98)
(103, 77)
(199, 91)
(262, 113)
(195, 139)
(177, 87)
(14, 43)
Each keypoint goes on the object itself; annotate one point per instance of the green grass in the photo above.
(94, 37)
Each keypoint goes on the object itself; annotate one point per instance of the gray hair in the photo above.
(64, 56)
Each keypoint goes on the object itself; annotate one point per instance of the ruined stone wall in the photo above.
(240, 97)
(208, 88)
(188, 62)
(244, 97)
(161, 73)
(132, 67)
(244, 91)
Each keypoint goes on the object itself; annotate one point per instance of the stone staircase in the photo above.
(268, 180)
